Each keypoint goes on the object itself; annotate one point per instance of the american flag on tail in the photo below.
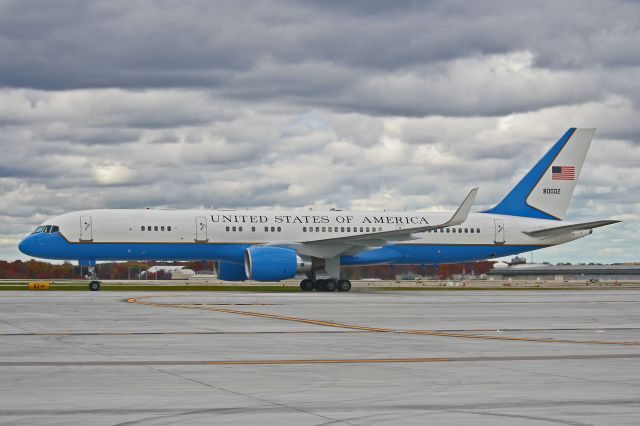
(563, 173)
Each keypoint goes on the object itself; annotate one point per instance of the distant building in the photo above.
(537, 271)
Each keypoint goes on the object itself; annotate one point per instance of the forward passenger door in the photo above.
(201, 229)
(86, 229)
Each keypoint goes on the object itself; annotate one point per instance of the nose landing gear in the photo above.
(94, 285)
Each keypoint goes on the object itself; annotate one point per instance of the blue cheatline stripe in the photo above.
(54, 246)
(515, 203)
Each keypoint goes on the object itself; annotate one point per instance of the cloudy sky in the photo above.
(364, 105)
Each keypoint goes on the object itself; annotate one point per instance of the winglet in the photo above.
(463, 211)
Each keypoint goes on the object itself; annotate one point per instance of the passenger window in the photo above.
(162, 228)
(142, 228)
(466, 230)
(279, 229)
(472, 230)
(227, 229)
(477, 230)
(240, 228)
(304, 229)
(324, 229)
(169, 228)
(155, 228)
(233, 229)
(253, 229)
(380, 229)
(361, 229)
(448, 230)
(273, 229)
(266, 229)
(342, 229)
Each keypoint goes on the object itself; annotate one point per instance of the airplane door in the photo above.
(499, 231)
(86, 230)
(201, 229)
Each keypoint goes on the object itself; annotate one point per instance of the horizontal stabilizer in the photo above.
(570, 228)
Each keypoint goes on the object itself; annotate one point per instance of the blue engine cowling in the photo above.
(228, 271)
(270, 263)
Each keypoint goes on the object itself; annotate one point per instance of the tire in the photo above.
(330, 285)
(344, 285)
(306, 285)
(319, 285)
(94, 285)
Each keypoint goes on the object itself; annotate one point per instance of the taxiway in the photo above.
(366, 357)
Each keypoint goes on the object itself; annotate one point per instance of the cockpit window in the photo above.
(47, 229)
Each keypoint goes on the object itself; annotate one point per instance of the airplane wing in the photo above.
(557, 230)
(330, 247)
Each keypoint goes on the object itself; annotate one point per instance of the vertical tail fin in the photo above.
(545, 192)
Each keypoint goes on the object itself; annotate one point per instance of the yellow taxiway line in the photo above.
(377, 329)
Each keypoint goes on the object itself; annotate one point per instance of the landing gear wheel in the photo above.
(319, 285)
(330, 285)
(94, 285)
(306, 285)
(344, 285)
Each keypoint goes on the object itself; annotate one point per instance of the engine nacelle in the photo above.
(274, 263)
(228, 271)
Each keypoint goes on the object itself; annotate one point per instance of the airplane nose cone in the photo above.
(26, 245)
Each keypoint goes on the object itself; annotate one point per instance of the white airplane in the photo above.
(278, 245)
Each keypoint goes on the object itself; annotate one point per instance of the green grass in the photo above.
(142, 287)
(83, 286)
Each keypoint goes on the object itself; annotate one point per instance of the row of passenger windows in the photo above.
(341, 229)
(458, 230)
(253, 229)
(309, 229)
(155, 228)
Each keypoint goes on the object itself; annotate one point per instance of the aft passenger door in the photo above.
(499, 224)
(201, 229)
(86, 229)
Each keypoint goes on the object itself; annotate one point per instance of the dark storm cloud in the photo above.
(361, 104)
(342, 55)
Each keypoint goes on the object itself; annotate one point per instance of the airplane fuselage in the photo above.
(224, 235)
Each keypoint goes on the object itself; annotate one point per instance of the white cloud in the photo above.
(297, 105)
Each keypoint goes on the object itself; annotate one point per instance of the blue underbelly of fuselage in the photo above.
(54, 246)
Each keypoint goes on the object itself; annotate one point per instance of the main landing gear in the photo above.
(94, 285)
(329, 284)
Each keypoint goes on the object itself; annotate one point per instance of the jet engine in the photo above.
(274, 263)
